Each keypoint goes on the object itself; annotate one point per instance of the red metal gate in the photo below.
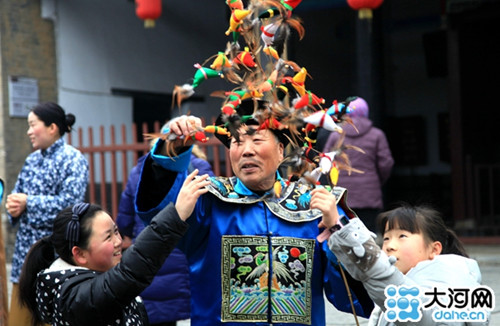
(115, 155)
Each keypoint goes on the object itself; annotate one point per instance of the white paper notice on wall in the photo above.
(23, 95)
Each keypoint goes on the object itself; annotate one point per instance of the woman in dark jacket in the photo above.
(165, 304)
(90, 283)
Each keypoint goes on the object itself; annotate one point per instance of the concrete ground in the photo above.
(488, 257)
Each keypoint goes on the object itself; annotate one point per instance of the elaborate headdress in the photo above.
(270, 91)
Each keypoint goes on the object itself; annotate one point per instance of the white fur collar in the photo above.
(59, 265)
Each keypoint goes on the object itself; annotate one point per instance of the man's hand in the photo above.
(185, 126)
(16, 204)
(326, 202)
(179, 131)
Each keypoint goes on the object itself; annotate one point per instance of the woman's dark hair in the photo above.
(50, 113)
(46, 250)
(425, 220)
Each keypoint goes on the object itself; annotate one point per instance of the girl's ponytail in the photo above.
(453, 244)
(40, 256)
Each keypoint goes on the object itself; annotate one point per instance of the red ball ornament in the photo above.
(295, 252)
(148, 10)
(364, 7)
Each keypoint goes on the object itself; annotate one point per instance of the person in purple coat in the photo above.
(167, 299)
(365, 189)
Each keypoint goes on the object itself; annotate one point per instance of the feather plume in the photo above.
(262, 29)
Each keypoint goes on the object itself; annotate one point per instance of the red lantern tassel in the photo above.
(148, 10)
(364, 7)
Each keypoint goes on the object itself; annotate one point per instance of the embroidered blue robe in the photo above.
(252, 258)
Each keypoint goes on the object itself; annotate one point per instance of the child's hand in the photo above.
(191, 190)
(326, 202)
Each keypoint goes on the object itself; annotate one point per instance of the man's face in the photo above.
(255, 158)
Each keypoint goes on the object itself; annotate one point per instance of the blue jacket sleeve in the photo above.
(160, 181)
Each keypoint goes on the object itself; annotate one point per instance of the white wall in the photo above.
(103, 45)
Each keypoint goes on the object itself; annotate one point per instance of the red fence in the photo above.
(115, 155)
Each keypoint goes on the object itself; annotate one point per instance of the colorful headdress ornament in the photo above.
(270, 91)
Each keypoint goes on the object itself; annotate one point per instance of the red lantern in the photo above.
(364, 7)
(148, 10)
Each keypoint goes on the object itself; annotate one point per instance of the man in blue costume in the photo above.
(253, 254)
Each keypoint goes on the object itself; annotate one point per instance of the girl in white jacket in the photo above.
(421, 276)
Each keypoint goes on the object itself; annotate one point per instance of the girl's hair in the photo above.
(425, 220)
(79, 219)
(50, 113)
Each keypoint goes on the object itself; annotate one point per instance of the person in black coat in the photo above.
(89, 282)
(165, 304)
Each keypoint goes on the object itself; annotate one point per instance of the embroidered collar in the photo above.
(292, 205)
(242, 190)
